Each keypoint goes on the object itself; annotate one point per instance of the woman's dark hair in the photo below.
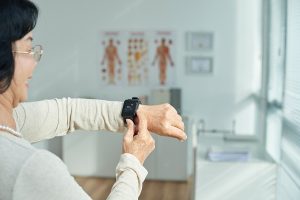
(17, 18)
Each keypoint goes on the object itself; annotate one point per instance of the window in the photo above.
(283, 113)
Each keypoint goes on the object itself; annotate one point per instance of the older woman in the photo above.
(30, 173)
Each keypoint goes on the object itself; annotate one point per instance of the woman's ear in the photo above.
(13, 46)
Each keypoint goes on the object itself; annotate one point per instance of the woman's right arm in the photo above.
(45, 176)
(130, 172)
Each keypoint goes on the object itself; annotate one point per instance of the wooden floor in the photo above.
(99, 189)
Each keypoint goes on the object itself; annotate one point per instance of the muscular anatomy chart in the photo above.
(137, 58)
(163, 59)
(111, 64)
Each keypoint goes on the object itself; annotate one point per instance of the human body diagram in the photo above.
(111, 58)
(163, 56)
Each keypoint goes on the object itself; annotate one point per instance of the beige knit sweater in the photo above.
(34, 174)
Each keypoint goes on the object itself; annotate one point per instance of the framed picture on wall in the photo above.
(199, 65)
(197, 41)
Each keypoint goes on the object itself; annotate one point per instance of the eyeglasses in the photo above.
(36, 52)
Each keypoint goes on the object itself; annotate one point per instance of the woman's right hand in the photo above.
(141, 144)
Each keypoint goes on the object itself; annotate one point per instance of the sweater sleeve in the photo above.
(49, 118)
(130, 176)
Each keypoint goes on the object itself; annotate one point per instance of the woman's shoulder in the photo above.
(18, 155)
(48, 176)
(14, 150)
(45, 158)
(15, 154)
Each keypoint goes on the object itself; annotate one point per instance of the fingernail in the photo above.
(184, 139)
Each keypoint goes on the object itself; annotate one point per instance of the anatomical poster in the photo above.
(111, 62)
(137, 58)
(162, 55)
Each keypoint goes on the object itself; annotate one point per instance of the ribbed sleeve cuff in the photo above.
(130, 162)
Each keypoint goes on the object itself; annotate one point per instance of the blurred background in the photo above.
(231, 72)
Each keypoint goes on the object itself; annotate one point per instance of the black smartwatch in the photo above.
(129, 109)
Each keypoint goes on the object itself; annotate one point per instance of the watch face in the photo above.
(129, 108)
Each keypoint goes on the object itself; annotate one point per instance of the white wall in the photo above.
(248, 62)
(69, 30)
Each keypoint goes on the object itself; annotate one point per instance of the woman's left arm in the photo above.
(49, 118)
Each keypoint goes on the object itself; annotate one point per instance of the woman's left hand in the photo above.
(164, 120)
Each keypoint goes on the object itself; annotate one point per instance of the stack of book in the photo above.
(228, 155)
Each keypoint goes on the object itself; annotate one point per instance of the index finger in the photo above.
(130, 132)
(142, 126)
